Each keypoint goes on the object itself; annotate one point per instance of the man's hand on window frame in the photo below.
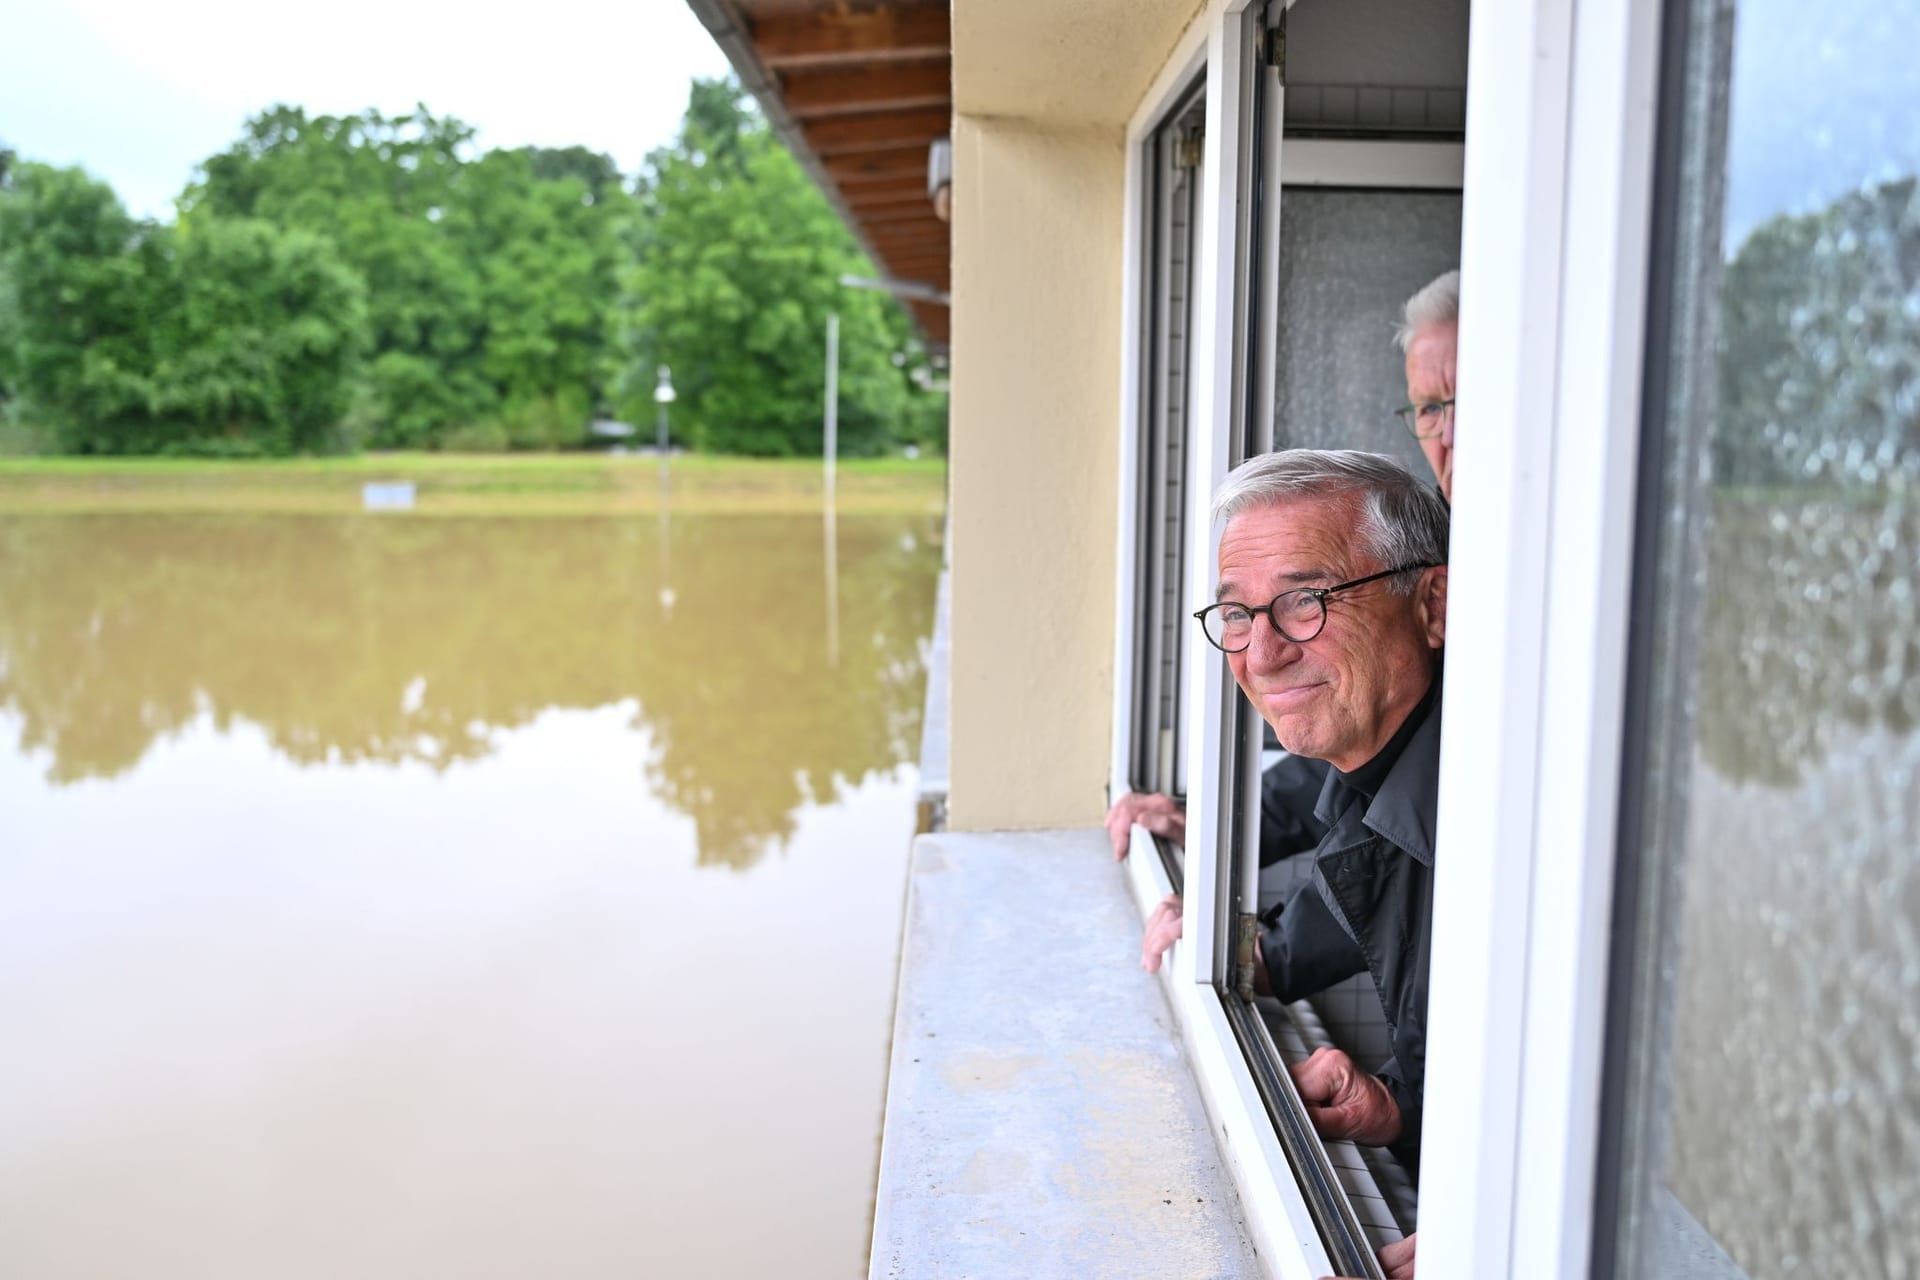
(1345, 1102)
(1161, 815)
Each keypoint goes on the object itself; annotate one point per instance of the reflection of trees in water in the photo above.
(115, 631)
(1810, 610)
(1819, 364)
(1793, 959)
(1811, 631)
(750, 714)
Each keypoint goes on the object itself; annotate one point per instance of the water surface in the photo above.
(433, 897)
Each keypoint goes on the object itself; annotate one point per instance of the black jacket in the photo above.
(1369, 904)
(1289, 793)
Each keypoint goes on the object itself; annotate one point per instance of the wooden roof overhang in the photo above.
(858, 90)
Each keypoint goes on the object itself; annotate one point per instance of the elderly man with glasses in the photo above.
(1428, 333)
(1331, 609)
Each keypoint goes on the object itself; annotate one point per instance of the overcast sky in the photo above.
(138, 93)
(1825, 100)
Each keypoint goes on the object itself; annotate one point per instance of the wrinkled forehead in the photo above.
(1291, 539)
(1433, 347)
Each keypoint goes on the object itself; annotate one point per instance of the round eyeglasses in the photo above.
(1427, 419)
(1298, 615)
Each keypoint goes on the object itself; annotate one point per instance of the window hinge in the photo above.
(1187, 153)
(1274, 48)
(1243, 955)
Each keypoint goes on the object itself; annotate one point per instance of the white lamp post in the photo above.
(663, 396)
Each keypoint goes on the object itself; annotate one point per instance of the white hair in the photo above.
(1437, 302)
(1403, 520)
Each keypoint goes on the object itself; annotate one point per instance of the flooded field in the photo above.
(450, 897)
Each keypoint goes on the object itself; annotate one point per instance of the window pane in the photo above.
(1766, 1066)
(1170, 200)
(1349, 260)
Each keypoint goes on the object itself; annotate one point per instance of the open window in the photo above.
(1286, 206)
(1368, 99)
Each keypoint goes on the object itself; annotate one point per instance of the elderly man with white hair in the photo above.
(1428, 332)
(1316, 948)
(1331, 609)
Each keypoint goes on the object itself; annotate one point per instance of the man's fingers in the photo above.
(1326, 1082)
(1396, 1259)
(1120, 824)
(1163, 930)
(1149, 950)
(1339, 1121)
(1345, 1102)
(1399, 1253)
(1161, 815)
(1321, 1077)
(1120, 820)
(1155, 946)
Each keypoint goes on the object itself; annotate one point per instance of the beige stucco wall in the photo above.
(1035, 404)
(1062, 63)
(1043, 90)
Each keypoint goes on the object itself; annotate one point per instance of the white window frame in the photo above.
(1334, 162)
(1186, 62)
(1128, 745)
(1554, 261)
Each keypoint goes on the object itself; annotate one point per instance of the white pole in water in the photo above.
(663, 395)
(830, 449)
(830, 444)
(830, 535)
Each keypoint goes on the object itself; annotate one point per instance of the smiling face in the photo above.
(1341, 695)
(1430, 356)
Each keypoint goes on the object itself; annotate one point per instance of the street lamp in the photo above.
(663, 395)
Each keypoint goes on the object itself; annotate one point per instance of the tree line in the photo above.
(332, 283)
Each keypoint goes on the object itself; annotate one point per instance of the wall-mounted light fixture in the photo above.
(940, 177)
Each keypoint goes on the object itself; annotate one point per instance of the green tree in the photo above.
(379, 187)
(736, 266)
(338, 280)
(263, 339)
(79, 290)
(490, 279)
(543, 250)
(119, 336)
(594, 170)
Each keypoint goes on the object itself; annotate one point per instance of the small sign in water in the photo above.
(396, 495)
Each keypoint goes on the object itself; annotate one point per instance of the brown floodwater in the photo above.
(403, 897)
